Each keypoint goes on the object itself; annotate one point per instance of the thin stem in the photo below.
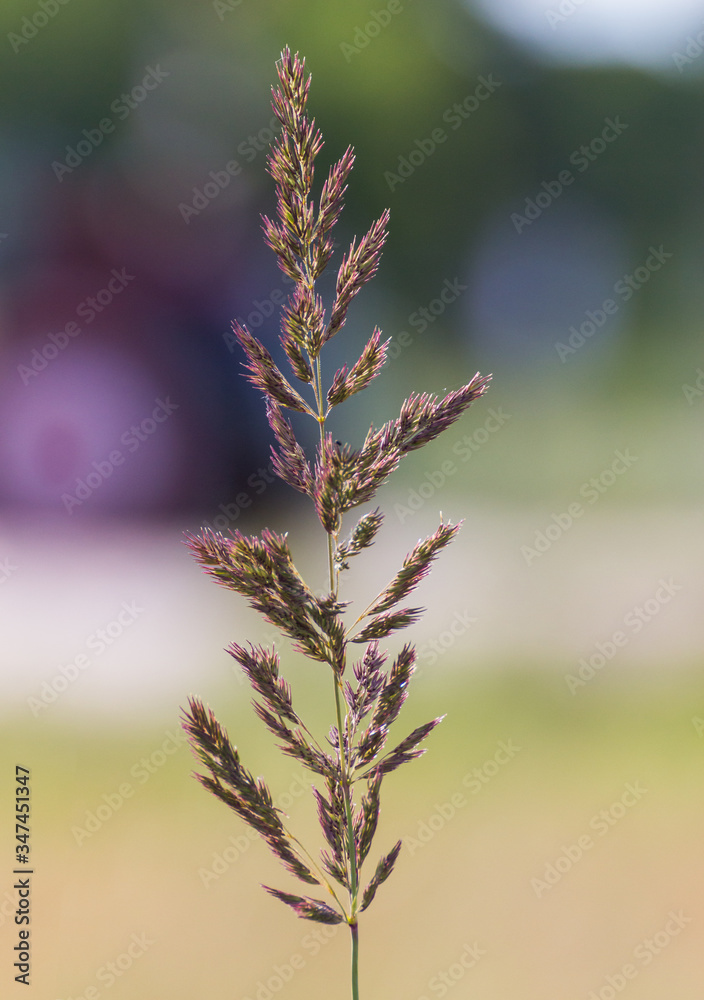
(321, 422)
(318, 869)
(344, 774)
(331, 566)
(347, 796)
(354, 928)
(363, 615)
(351, 851)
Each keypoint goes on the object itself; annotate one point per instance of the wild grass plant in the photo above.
(351, 764)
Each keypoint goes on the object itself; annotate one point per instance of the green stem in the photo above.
(344, 775)
(331, 565)
(315, 865)
(348, 806)
(355, 960)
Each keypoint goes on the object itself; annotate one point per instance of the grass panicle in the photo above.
(338, 478)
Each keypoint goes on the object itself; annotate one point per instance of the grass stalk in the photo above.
(261, 568)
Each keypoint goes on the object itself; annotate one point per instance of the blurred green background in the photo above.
(542, 164)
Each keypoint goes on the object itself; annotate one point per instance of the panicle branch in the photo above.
(235, 786)
(415, 567)
(357, 268)
(363, 371)
(262, 570)
(290, 462)
(383, 870)
(309, 909)
(361, 538)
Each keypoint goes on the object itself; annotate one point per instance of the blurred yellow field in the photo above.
(549, 845)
